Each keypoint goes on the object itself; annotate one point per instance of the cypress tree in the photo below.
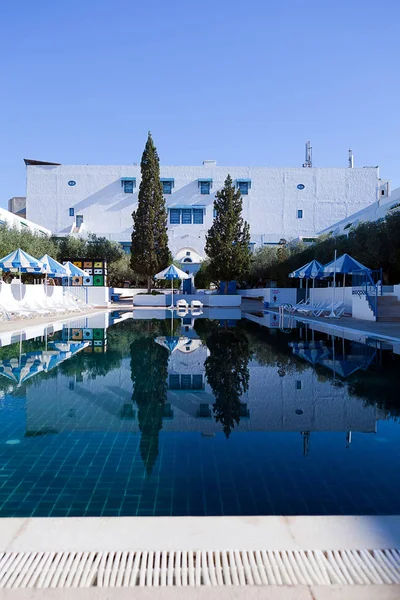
(227, 241)
(150, 252)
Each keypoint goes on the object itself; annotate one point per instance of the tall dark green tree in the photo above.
(228, 374)
(150, 252)
(227, 242)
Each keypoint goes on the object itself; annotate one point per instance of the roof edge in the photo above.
(30, 162)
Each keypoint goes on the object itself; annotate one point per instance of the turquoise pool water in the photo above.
(109, 417)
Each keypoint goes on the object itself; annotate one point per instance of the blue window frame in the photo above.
(298, 385)
(198, 216)
(243, 185)
(79, 220)
(128, 184)
(71, 212)
(299, 214)
(174, 216)
(167, 185)
(186, 216)
(205, 187)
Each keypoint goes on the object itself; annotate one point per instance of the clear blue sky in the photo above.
(240, 82)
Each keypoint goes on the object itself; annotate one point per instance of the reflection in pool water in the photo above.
(211, 417)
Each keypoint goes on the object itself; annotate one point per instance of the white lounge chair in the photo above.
(196, 305)
(182, 304)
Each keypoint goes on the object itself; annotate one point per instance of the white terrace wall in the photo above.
(274, 296)
(326, 294)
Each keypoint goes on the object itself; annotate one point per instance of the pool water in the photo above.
(115, 416)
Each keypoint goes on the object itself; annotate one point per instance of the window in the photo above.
(205, 186)
(174, 383)
(197, 382)
(243, 187)
(187, 253)
(128, 183)
(186, 382)
(382, 192)
(167, 185)
(186, 216)
(174, 216)
(198, 216)
(71, 212)
(298, 385)
(79, 220)
(299, 214)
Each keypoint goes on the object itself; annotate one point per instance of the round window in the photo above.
(299, 411)
(301, 186)
(71, 182)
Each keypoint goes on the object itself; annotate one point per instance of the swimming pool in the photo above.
(115, 416)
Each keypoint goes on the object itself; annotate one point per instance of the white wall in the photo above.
(330, 194)
(19, 223)
(274, 296)
(322, 294)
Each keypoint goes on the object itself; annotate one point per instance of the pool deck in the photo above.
(16, 325)
(204, 533)
(384, 331)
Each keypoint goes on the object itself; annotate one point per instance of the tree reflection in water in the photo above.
(227, 373)
(149, 371)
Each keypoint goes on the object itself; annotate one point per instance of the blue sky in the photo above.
(240, 82)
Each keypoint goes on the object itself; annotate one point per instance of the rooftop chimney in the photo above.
(351, 159)
(308, 161)
(209, 163)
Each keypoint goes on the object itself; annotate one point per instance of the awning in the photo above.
(186, 206)
(128, 179)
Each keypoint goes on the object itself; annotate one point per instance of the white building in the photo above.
(15, 221)
(385, 206)
(277, 202)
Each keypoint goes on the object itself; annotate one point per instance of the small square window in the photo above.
(174, 216)
(243, 187)
(299, 214)
(167, 187)
(128, 184)
(205, 187)
(198, 216)
(186, 216)
(71, 212)
(187, 253)
(298, 385)
(382, 192)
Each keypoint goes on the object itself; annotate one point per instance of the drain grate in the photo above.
(200, 568)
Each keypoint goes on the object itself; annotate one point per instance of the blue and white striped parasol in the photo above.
(311, 270)
(74, 271)
(21, 261)
(172, 272)
(53, 267)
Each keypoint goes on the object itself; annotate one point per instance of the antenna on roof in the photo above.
(351, 159)
(308, 161)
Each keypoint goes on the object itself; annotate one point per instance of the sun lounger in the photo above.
(196, 305)
(182, 304)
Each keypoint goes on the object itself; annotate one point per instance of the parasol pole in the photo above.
(332, 314)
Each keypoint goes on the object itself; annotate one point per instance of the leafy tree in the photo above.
(72, 248)
(120, 271)
(227, 373)
(263, 259)
(33, 243)
(203, 277)
(149, 372)
(227, 241)
(150, 252)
